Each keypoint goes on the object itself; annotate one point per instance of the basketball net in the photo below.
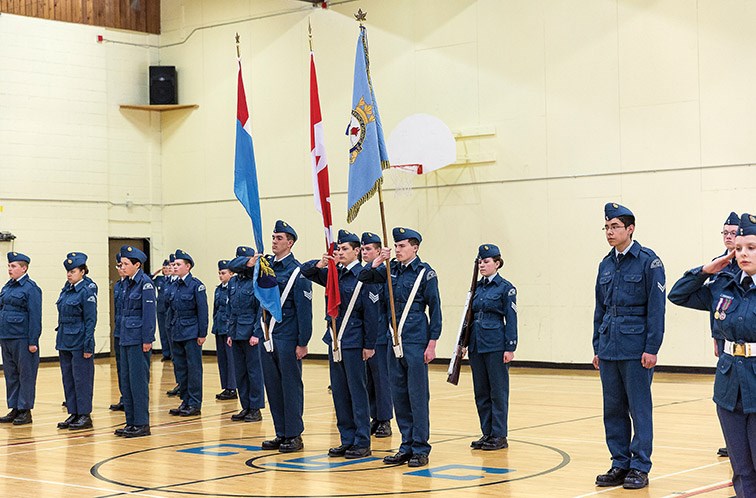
(403, 178)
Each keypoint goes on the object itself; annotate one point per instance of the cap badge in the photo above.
(752, 218)
(129, 249)
(615, 205)
(485, 247)
(401, 230)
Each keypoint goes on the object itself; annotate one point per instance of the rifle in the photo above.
(465, 328)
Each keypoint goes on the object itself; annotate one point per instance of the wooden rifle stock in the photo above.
(463, 338)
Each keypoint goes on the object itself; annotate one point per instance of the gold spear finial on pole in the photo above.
(360, 16)
(238, 52)
(309, 32)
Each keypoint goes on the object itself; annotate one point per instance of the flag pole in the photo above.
(361, 16)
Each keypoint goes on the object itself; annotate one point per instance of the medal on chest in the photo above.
(722, 306)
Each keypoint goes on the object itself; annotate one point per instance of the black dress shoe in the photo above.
(400, 457)
(495, 443)
(81, 422)
(253, 416)
(353, 453)
(190, 411)
(137, 431)
(635, 479)
(174, 391)
(227, 394)
(723, 452)
(122, 430)
(383, 429)
(339, 451)
(177, 411)
(272, 444)
(67, 422)
(291, 445)
(373, 426)
(165, 358)
(614, 477)
(221, 394)
(116, 407)
(418, 461)
(478, 443)
(238, 417)
(7, 419)
(24, 417)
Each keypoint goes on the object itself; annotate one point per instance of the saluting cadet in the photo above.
(170, 285)
(729, 232)
(350, 344)
(732, 299)
(378, 384)
(493, 340)
(160, 282)
(242, 320)
(137, 334)
(282, 367)
(225, 352)
(415, 288)
(118, 290)
(628, 328)
(77, 317)
(20, 328)
(189, 314)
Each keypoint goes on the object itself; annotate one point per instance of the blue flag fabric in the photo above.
(247, 191)
(367, 155)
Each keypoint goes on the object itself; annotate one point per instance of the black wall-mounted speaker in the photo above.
(163, 85)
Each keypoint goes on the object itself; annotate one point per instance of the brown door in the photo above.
(114, 245)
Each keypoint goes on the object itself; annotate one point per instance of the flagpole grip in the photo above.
(388, 270)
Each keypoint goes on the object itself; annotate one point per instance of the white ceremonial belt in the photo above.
(747, 349)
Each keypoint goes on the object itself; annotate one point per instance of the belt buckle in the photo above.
(738, 349)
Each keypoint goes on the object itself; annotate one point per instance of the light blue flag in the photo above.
(367, 155)
(247, 191)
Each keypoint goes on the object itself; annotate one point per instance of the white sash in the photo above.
(285, 294)
(337, 340)
(398, 351)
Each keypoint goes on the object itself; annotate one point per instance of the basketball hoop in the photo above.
(403, 178)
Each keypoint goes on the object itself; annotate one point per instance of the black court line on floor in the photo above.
(95, 471)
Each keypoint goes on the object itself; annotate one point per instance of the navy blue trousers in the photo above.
(409, 389)
(117, 349)
(165, 341)
(225, 362)
(350, 397)
(740, 436)
(628, 421)
(20, 370)
(78, 381)
(491, 387)
(379, 385)
(249, 375)
(135, 384)
(187, 363)
(283, 384)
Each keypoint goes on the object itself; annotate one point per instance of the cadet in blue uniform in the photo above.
(137, 334)
(492, 344)
(88, 282)
(242, 321)
(170, 285)
(225, 353)
(415, 288)
(350, 344)
(628, 327)
(162, 307)
(732, 299)
(77, 317)
(282, 367)
(378, 384)
(118, 289)
(189, 314)
(20, 328)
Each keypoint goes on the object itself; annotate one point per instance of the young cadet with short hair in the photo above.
(628, 328)
(189, 314)
(137, 335)
(20, 328)
(415, 288)
(77, 317)
(282, 367)
(168, 290)
(350, 344)
(224, 351)
(378, 383)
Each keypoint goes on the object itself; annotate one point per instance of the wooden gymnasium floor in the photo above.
(556, 444)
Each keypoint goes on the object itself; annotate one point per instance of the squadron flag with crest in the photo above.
(247, 191)
(367, 155)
